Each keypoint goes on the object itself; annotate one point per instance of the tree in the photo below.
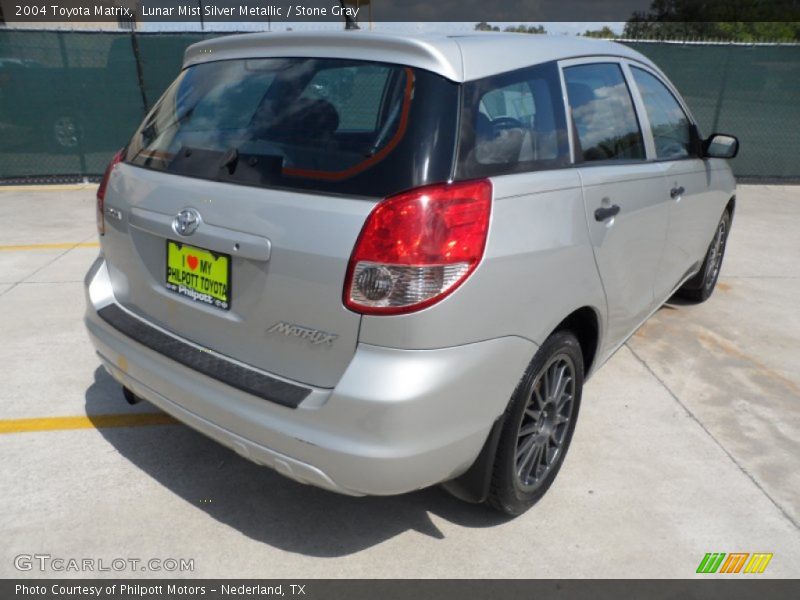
(726, 20)
(527, 29)
(484, 26)
(605, 33)
(757, 31)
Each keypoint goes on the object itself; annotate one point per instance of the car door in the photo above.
(693, 211)
(625, 208)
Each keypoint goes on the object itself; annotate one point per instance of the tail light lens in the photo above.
(101, 192)
(417, 247)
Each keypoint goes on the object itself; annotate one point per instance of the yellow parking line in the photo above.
(65, 246)
(85, 422)
(58, 187)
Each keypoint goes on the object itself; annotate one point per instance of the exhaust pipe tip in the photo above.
(130, 397)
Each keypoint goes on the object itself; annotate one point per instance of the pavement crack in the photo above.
(44, 266)
(26, 279)
(711, 435)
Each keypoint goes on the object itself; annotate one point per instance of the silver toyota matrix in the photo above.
(376, 263)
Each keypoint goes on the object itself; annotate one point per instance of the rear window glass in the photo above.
(318, 124)
(356, 92)
(513, 123)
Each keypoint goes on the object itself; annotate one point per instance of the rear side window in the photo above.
(344, 126)
(602, 113)
(512, 123)
(669, 124)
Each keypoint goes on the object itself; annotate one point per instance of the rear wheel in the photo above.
(701, 286)
(538, 427)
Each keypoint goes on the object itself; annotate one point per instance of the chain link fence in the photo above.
(69, 100)
(750, 91)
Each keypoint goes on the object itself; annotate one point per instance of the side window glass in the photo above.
(505, 125)
(603, 114)
(668, 123)
(513, 123)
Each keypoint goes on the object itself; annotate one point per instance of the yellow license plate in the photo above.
(198, 274)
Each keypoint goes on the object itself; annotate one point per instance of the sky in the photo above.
(551, 27)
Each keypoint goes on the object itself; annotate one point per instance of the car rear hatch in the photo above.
(231, 220)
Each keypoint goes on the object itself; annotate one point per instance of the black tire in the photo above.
(700, 287)
(515, 485)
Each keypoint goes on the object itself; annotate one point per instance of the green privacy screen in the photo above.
(69, 100)
(752, 92)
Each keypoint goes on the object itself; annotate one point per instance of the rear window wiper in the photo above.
(384, 132)
(230, 160)
(149, 131)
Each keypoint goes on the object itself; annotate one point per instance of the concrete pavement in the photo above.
(688, 442)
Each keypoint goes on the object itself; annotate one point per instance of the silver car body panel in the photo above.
(287, 268)
(521, 287)
(401, 402)
(397, 420)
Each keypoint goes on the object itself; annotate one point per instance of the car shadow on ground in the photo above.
(263, 505)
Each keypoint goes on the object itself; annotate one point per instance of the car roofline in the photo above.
(458, 58)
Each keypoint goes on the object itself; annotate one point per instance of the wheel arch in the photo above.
(584, 323)
(731, 205)
(473, 485)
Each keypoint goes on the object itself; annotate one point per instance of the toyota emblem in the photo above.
(186, 222)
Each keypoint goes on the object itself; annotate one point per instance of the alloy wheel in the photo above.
(717, 251)
(545, 422)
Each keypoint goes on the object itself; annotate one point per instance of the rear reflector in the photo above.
(417, 247)
(101, 192)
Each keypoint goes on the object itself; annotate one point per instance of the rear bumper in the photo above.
(398, 420)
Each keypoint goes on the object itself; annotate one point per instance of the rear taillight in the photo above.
(101, 192)
(417, 247)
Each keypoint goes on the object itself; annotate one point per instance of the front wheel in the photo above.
(701, 286)
(538, 426)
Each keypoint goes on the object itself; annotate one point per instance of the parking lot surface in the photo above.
(688, 442)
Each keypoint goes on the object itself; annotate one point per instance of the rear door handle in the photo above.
(676, 192)
(604, 213)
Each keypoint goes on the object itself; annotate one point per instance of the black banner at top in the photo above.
(516, 11)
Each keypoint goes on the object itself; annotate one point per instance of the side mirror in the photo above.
(720, 145)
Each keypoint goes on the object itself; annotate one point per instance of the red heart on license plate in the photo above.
(192, 261)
